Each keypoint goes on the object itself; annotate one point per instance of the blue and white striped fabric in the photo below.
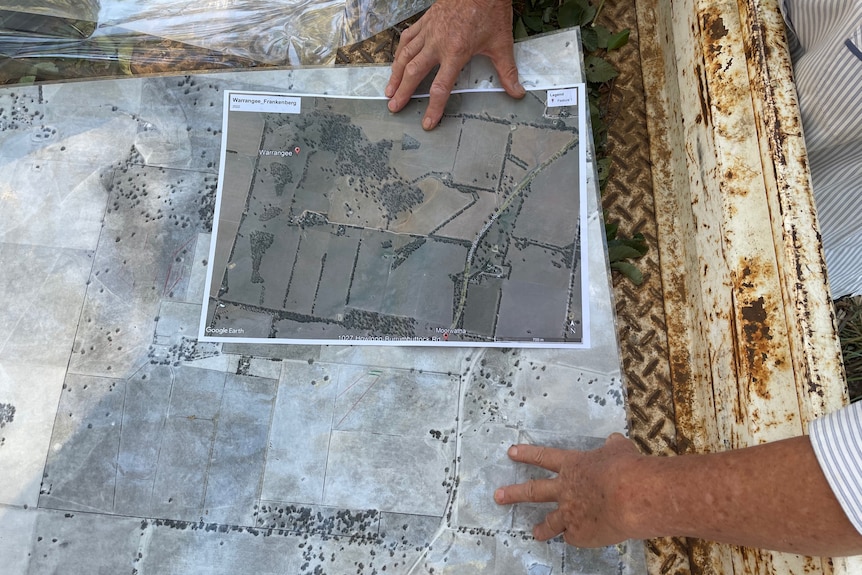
(826, 49)
(837, 442)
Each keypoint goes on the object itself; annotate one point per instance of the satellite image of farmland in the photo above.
(340, 222)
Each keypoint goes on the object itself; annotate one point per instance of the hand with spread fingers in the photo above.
(769, 496)
(448, 35)
(584, 489)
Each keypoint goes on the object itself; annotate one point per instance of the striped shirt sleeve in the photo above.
(826, 47)
(837, 442)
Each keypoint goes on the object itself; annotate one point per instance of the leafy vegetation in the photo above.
(539, 16)
(849, 312)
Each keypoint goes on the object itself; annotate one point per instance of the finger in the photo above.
(414, 72)
(405, 54)
(442, 86)
(553, 525)
(507, 71)
(534, 491)
(407, 37)
(410, 32)
(544, 457)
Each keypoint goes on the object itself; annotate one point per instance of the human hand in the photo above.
(449, 34)
(586, 489)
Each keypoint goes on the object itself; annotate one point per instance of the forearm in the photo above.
(772, 496)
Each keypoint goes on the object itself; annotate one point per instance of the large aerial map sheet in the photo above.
(340, 222)
(129, 446)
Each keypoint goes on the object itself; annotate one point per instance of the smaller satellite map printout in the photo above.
(338, 222)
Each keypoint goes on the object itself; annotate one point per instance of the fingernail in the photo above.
(498, 496)
(391, 105)
(513, 451)
(388, 91)
(427, 124)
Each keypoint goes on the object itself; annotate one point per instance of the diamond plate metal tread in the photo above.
(628, 201)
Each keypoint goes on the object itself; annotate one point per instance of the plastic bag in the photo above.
(71, 19)
(55, 39)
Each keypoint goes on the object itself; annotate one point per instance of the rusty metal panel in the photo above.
(816, 357)
(754, 352)
(765, 407)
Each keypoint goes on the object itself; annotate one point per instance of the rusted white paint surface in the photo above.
(816, 357)
(754, 352)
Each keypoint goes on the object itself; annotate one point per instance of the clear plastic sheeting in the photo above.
(223, 33)
(270, 32)
(49, 18)
(365, 18)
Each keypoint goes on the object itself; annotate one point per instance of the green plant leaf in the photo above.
(603, 167)
(596, 120)
(602, 35)
(611, 230)
(630, 271)
(620, 252)
(26, 79)
(599, 70)
(638, 243)
(600, 130)
(520, 29)
(575, 13)
(635, 243)
(533, 22)
(589, 38)
(618, 40)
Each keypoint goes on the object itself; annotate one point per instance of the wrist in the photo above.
(639, 496)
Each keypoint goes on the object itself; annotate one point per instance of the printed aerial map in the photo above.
(339, 221)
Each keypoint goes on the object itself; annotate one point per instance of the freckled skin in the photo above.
(772, 496)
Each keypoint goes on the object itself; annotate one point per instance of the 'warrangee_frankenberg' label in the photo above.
(265, 103)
